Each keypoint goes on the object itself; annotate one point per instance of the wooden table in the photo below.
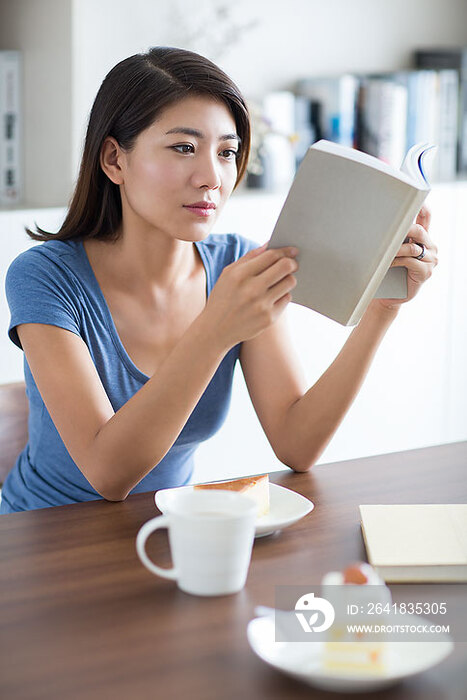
(81, 618)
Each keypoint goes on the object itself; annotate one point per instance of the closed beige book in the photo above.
(408, 543)
(348, 213)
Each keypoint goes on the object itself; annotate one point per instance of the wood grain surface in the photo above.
(81, 618)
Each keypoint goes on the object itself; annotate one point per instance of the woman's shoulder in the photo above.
(42, 286)
(46, 256)
(50, 266)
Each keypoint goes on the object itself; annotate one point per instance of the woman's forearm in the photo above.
(311, 421)
(143, 430)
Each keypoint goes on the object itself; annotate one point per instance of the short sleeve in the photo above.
(40, 289)
(245, 245)
(220, 250)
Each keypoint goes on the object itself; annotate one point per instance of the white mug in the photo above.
(211, 536)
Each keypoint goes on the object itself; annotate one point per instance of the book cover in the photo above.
(348, 213)
(422, 542)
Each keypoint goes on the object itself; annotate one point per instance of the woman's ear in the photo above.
(110, 160)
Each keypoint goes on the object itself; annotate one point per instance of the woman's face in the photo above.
(184, 160)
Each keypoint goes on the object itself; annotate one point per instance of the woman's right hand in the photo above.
(251, 293)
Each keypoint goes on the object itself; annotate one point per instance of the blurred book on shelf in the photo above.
(336, 97)
(10, 128)
(444, 61)
(382, 118)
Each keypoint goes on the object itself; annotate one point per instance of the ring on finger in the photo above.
(422, 254)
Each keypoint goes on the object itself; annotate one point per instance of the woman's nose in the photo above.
(207, 172)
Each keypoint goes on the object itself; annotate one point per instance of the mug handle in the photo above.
(146, 530)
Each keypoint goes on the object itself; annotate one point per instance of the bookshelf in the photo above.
(68, 48)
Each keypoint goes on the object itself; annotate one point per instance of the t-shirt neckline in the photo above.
(111, 327)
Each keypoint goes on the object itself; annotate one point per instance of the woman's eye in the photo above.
(229, 153)
(184, 148)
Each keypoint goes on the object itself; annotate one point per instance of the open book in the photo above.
(348, 214)
(420, 542)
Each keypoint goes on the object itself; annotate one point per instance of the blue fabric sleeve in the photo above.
(40, 290)
(246, 245)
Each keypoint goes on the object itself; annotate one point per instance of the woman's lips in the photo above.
(200, 210)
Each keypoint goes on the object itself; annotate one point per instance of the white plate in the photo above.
(285, 507)
(302, 659)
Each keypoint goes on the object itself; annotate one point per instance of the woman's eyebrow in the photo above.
(199, 134)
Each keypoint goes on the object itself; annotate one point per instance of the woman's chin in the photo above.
(195, 233)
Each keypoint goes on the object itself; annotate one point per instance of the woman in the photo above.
(131, 318)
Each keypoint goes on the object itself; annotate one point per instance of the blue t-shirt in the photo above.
(54, 283)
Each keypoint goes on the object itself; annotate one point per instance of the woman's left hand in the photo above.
(418, 254)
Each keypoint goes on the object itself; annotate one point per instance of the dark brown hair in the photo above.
(130, 98)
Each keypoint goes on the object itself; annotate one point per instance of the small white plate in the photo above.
(285, 507)
(302, 659)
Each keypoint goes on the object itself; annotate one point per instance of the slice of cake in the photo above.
(255, 487)
(351, 646)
